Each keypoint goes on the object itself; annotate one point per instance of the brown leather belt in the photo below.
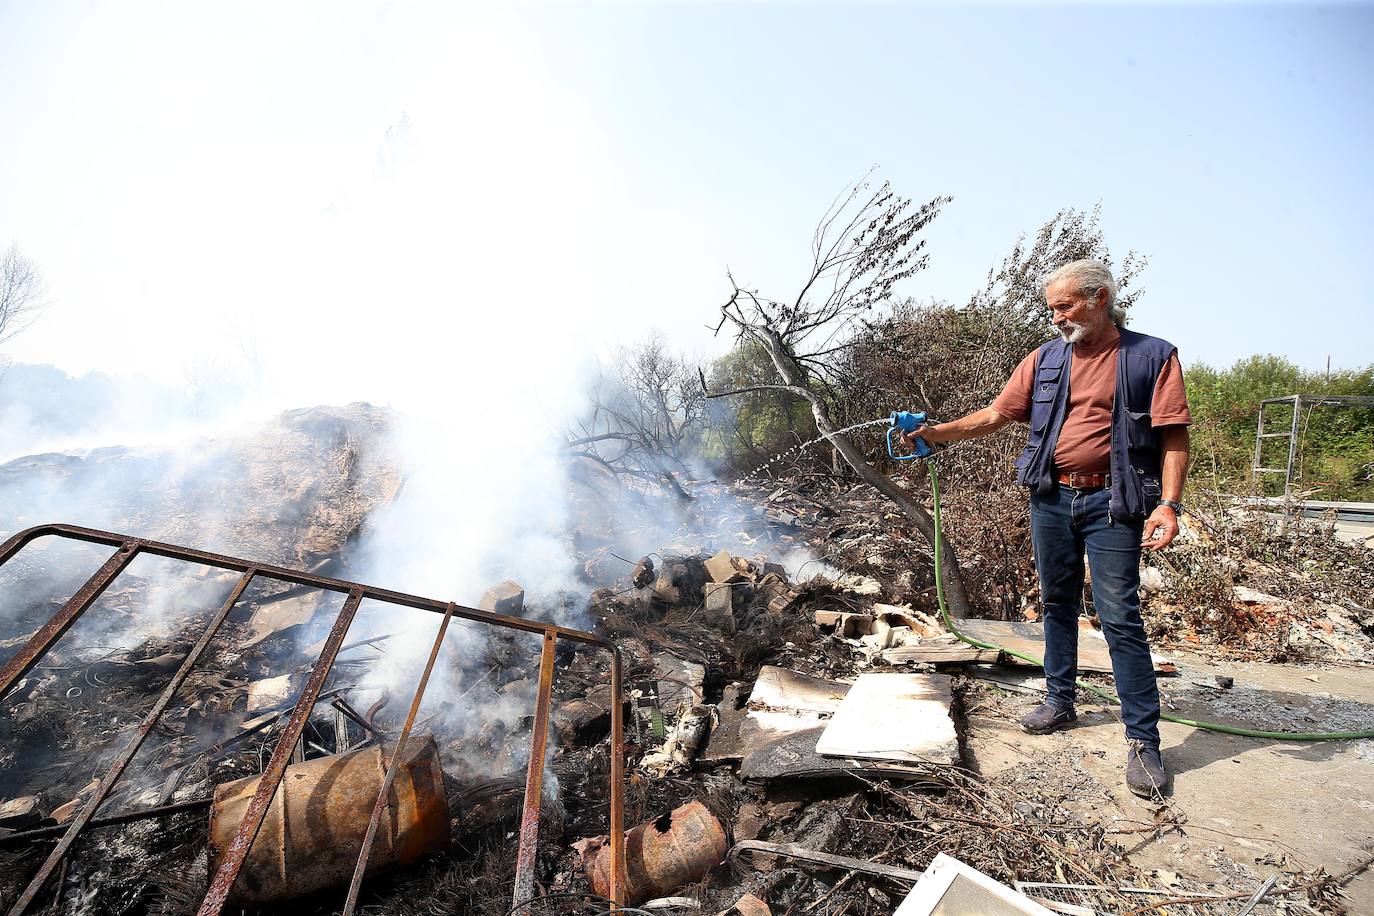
(1086, 481)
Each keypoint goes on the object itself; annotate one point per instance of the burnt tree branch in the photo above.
(643, 419)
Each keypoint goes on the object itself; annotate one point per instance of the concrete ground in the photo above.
(1247, 800)
(1355, 532)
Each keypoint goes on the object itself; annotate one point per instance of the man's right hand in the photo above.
(925, 431)
(979, 423)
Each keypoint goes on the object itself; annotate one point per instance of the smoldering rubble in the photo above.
(798, 720)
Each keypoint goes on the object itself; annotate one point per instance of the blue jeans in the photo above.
(1064, 524)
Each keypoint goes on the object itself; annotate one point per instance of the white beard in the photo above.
(1071, 332)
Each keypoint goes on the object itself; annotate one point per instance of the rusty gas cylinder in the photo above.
(314, 828)
(663, 855)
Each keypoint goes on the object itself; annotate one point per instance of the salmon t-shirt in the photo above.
(1085, 439)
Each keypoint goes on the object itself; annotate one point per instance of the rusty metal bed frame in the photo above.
(222, 882)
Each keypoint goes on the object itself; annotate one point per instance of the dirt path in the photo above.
(1244, 800)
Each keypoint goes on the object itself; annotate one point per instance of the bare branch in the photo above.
(21, 293)
(587, 440)
(799, 392)
(642, 420)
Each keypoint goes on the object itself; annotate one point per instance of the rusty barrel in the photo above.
(663, 855)
(316, 823)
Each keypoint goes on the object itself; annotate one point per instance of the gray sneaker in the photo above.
(1145, 773)
(1045, 718)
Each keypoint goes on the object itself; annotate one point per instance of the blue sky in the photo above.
(1233, 145)
(402, 188)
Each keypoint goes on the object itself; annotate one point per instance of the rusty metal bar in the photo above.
(117, 768)
(526, 858)
(127, 547)
(19, 541)
(327, 583)
(223, 881)
(392, 767)
(617, 780)
(348, 712)
(39, 644)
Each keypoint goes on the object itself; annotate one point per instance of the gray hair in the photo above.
(1091, 276)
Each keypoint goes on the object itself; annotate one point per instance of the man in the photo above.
(1105, 462)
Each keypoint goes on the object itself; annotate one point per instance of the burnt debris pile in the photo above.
(788, 729)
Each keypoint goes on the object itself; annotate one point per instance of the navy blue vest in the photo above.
(1135, 458)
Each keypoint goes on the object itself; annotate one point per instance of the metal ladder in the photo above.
(1291, 434)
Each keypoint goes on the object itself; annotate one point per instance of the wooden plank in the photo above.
(786, 715)
(940, 654)
(1029, 638)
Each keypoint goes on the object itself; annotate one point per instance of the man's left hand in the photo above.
(1160, 529)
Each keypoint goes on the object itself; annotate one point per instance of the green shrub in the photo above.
(1335, 449)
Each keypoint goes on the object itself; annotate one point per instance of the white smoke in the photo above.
(426, 221)
(429, 222)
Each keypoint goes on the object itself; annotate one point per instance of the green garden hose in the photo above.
(1096, 691)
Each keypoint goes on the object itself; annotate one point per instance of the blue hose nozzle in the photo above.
(907, 421)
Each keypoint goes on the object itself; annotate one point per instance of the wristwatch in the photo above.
(1177, 507)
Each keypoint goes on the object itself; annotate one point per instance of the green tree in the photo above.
(1335, 448)
(758, 424)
